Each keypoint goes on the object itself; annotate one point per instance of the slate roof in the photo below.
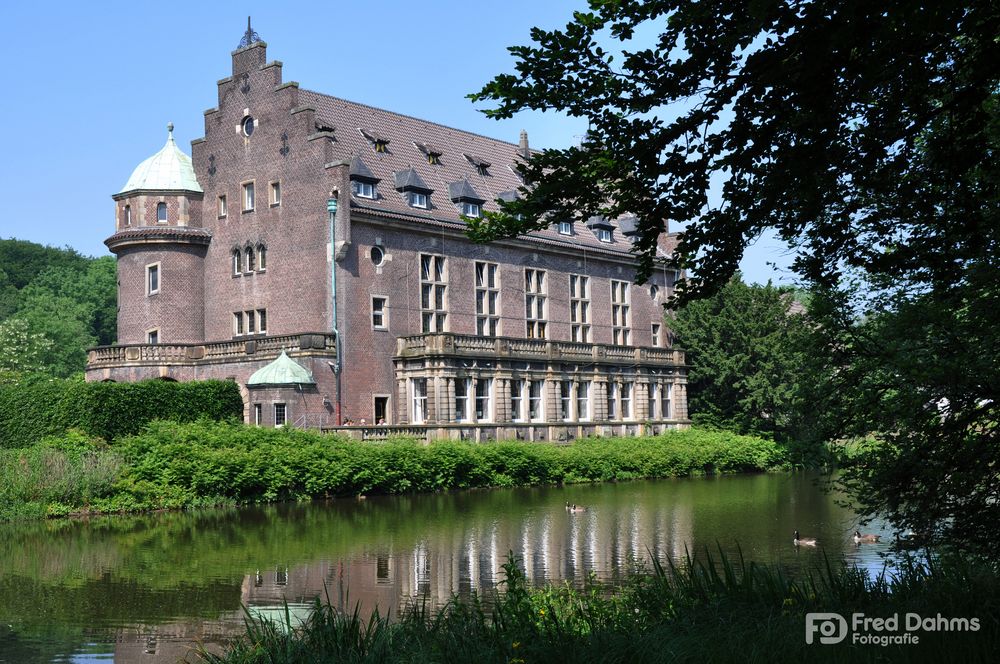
(409, 180)
(463, 191)
(360, 171)
(408, 141)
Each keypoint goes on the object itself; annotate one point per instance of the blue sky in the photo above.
(90, 88)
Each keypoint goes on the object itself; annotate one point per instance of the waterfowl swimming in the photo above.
(575, 508)
(803, 541)
(865, 539)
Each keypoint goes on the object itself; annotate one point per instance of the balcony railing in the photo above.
(217, 351)
(532, 349)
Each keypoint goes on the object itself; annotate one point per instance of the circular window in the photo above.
(378, 256)
(654, 290)
(248, 125)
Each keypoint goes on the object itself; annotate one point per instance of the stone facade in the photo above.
(246, 267)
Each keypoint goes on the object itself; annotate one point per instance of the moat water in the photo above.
(148, 588)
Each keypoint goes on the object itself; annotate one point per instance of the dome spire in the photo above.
(170, 131)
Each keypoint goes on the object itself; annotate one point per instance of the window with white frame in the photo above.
(237, 262)
(655, 334)
(418, 390)
(237, 323)
(626, 400)
(248, 197)
(484, 399)
(280, 414)
(251, 319)
(517, 389)
(379, 317)
(223, 208)
(653, 393)
(261, 258)
(275, 194)
(363, 189)
(665, 392)
(462, 399)
(250, 262)
(258, 414)
(566, 400)
(565, 227)
(153, 337)
(583, 400)
(262, 321)
(612, 401)
(604, 235)
(161, 213)
(621, 334)
(487, 299)
(418, 200)
(536, 405)
(153, 279)
(471, 209)
(433, 293)
(579, 308)
(535, 303)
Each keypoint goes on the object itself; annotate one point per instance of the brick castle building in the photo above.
(312, 249)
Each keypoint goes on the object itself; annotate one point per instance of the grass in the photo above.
(713, 610)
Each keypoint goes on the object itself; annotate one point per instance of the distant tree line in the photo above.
(54, 304)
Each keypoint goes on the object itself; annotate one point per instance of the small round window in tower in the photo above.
(654, 290)
(378, 256)
(248, 126)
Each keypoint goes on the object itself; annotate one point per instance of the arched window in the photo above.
(128, 215)
(251, 261)
(237, 263)
(161, 213)
(261, 257)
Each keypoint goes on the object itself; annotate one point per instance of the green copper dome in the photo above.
(167, 170)
(283, 371)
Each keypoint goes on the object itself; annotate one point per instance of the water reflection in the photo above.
(144, 589)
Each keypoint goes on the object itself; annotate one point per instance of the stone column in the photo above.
(402, 402)
(599, 400)
(501, 397)
(448, 408)
(553, 397)
(641, 399)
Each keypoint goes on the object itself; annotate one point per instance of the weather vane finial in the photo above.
(249, 37)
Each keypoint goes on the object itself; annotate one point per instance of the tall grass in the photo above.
(711, 610)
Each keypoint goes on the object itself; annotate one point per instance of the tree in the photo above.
(750, 354)
(21, 350)
(867, 136)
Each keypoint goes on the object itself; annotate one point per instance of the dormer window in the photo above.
(482, 166)
(414, 189)
(471, 209)
(418, 200)
(379, 143)
(433, 154)
(469, 203)
(363, 189)
(161, 213)
(602, 228)
(565, 228)
(604, 235)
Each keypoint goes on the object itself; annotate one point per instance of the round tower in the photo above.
(161, 247)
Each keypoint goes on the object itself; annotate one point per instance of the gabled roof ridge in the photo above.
(413, 117)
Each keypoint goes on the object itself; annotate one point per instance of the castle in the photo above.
(312, 249)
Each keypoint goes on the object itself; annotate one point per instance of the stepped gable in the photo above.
(406, 141)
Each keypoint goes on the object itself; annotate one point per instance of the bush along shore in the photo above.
(705, 611)
(179, 465)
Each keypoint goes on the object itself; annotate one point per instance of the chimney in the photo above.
(523, 144)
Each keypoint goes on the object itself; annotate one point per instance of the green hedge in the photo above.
(34, 407)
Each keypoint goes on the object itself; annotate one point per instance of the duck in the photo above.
(575, 508)
(803, 541)
(865, 539)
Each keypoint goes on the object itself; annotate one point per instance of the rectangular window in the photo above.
(237, 262)
(583, 401)
(237, 323)
(654, 400)
(223, 210)
(258, 414)
(275, 194)
(363, 189)
(433, 287)
(153, 337)
(471, 209)
(566, 400)
(418, 388)
(536, 412)
(655, 334)
(535, 305)
(462, 399)
(280, 414)
(604, 235)
(378, 313)
(517, 400)
(621, 334)
(626, 401)
(153, 279)
(262, 321)
(248, 197)
(484, 400)
(579, 308)
(381, 410)
(251, 317)
(665, 390)
(487, 300)
(565, 228)
(612, 401)
(418, 200)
